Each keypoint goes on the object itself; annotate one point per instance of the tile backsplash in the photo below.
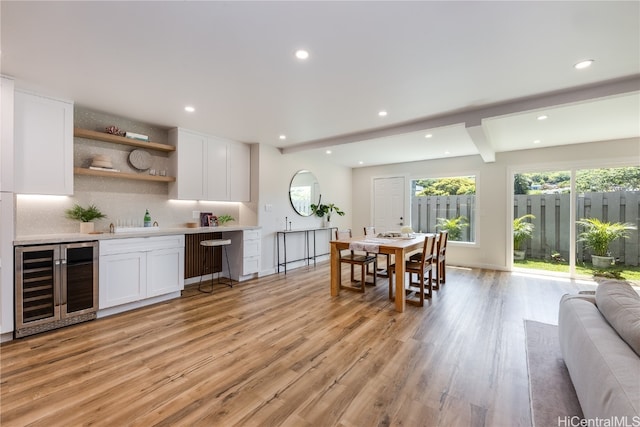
(46, 215)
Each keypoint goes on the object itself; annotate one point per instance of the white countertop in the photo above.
(157, 231)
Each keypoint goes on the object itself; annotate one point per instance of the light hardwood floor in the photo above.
(281, 351)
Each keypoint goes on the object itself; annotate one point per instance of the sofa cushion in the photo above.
(620, 305)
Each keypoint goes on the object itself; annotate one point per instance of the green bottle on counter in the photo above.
(147, 219)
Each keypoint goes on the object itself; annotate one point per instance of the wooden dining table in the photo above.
(400, 247)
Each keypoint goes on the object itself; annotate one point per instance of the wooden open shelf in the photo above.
(107, 137)
(125, 175)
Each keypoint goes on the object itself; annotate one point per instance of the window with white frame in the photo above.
(446, 203)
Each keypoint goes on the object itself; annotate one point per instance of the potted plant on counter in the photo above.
(223, 219)
(598, 235)
(86, 216)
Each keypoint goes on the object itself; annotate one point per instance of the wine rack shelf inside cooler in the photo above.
(38, 294)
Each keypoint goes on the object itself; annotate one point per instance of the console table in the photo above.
(307, 256)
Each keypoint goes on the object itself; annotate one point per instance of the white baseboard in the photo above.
(137, 304)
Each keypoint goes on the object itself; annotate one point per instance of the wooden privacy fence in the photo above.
(427, 209)
(551, 234)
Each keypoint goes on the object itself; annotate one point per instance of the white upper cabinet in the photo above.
(217, 168)
(208, 168)
(43, 149)
(187, 162)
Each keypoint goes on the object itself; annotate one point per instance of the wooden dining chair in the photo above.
(355, 258)
(423, 269)
(382, 272)
(440, 259)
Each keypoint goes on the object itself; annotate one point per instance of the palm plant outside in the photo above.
(453, 225)
(522, 230)
(598, 235)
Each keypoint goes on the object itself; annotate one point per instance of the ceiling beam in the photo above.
(473, 117)
(479, 138)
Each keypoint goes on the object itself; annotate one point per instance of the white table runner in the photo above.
(371, 245)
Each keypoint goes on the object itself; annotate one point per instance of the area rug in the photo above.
(551, 392)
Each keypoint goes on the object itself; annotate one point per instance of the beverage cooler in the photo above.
(56, 286)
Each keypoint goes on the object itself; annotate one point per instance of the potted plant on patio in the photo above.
(522, 230)
(598, 235)
(453, 225)
(85, 216)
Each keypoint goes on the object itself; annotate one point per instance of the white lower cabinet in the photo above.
(123, 278)
(136, 269)
(244, 254)
(165, 271)
(251, 252)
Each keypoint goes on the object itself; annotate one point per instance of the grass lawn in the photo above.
(625, 272)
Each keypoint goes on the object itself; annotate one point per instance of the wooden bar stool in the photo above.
(213, 244)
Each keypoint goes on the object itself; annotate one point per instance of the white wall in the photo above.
(494, 189)
(275, 173)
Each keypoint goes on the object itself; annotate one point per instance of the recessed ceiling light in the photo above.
(543, 117)
(328, 151)
(536, 141)
(283, 137)
(447, 152)
(189, 109)
(583, 64)
(382, 113)
(361, 162)
(428, 135)
(302, 54)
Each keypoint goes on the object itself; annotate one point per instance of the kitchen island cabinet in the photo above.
(139, 271)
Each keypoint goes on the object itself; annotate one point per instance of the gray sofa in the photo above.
(600, 343)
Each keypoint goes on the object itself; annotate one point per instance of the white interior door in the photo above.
(389, 203)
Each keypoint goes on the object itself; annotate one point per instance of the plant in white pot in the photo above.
(522, 230)
(598, 235)
(320, 210)
(86, 216)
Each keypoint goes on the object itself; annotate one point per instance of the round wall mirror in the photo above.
(303, 191)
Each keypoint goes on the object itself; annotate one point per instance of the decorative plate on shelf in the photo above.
(140, 159)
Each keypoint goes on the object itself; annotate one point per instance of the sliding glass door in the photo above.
(600, 239)
(607, 217)
(542, 221)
